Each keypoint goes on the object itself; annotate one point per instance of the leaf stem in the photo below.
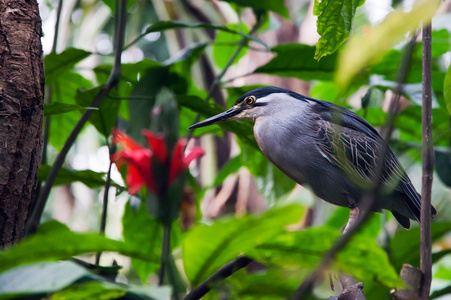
(165, 252)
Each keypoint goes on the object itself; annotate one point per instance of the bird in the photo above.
(326, 147)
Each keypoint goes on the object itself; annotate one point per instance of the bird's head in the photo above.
(256, 103)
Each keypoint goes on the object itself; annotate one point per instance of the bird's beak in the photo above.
(229, 114)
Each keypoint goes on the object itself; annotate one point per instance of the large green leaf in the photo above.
(277, 6)
(447, 89)
(297, 60)
(208, 247)
(55, 241)
(56, 64)
(366, 48)
(334, 24)
(40, 278)
(167, 25)
(405, 245)
(67, 280)
(361, 257)
(65, 176)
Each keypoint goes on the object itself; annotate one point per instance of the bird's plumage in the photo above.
(328, 147)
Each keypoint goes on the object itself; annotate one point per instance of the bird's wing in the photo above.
(349, 142)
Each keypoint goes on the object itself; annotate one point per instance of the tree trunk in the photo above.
(21, 113)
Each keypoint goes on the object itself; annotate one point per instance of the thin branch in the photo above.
(113, 79)
(243, 42)
(427, 157)
(238, 77)
(369, 199)
(224, 272)
(111, 150)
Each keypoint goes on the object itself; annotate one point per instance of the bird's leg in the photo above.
(354, 213)
(349, 284)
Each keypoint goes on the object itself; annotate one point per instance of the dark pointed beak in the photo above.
(225, 116)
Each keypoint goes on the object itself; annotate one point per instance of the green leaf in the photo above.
(167, 25)
(364, 49)
(208, 247)
(225, 45)
(361, 257)
(230, 167)
(412, 91)
(441, 44)
(56, 64)
(112, 4)
(54, 241)
(57, 108)
(447, 89)
(141, 230)
(104, 119)
(405, 245)
(67, 280)
(64, 88)
(436, 256)
(443, 165)
(439, 293)
(89, 290)
(334, 24)
(277, 6)
(65, 176)
(304, 66)
(53, 276)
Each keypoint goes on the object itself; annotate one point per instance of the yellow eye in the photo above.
(250, 100)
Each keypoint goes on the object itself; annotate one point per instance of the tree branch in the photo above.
(112, 81)
(427, 156)
(224, 272)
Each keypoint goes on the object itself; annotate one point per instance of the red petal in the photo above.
(177, 164)
(134, 180)
(181, 162)
(157, 144)
(124, 140)
(139, 169)
(195, 153)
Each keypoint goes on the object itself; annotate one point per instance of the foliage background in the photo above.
(171, 68)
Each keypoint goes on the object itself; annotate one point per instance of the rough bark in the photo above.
(21, 113)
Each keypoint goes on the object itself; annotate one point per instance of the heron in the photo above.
(326, 147)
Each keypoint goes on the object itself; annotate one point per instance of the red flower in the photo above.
(138, 159)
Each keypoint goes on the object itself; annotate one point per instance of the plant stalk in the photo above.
(427, 157)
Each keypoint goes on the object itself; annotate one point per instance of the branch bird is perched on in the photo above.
(327, 147)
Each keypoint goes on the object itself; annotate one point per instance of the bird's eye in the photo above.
(250, 100)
